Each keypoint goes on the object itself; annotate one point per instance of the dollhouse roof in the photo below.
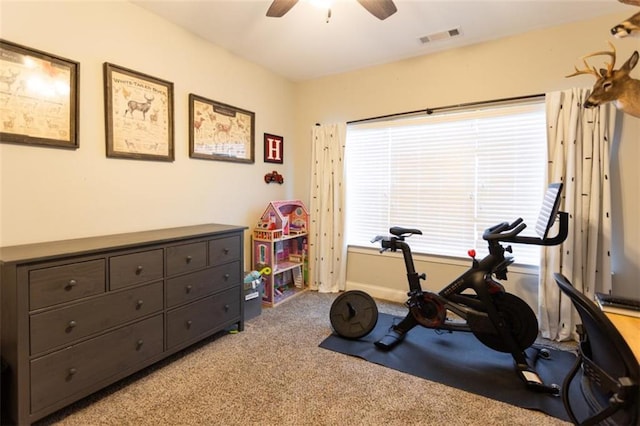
(283, 208)
(287, 206)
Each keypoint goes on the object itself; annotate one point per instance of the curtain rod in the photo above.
(429, 111)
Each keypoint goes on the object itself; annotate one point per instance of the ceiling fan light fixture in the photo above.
(381, 9)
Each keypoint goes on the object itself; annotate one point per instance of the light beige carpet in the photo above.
(274, 373)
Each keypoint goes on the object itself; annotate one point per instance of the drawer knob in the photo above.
(189, 259)
(72, 283)
(226, 308)
(189, 322)
(71, 324)
(188, 288)
(139, 303)
(139, 344)
(226, 277)
(72, 371)
(139, 270)
(226, 251)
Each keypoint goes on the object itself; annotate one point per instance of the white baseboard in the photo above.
(392, 295)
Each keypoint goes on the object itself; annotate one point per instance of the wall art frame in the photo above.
(39, 94)
(138, 115)
(222, 132)
(273, 148)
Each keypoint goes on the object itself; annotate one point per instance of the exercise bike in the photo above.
(498, 319)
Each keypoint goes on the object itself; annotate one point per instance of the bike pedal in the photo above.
(389, 341)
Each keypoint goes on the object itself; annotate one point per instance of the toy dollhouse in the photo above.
(280, 242)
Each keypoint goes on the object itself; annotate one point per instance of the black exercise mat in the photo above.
(459, 360)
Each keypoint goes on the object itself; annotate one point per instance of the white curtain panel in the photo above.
(579, 145)
(327, 245)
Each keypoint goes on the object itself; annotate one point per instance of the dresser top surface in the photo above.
(46, 250)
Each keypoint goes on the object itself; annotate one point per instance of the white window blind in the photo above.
(450, 175)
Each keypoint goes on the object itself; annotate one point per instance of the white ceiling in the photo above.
(302, 45)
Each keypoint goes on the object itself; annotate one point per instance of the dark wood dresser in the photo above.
(78, 315)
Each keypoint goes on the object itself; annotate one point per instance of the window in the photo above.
(451, 175)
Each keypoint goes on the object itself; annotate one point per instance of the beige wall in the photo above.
(528, 64)
(49, 194)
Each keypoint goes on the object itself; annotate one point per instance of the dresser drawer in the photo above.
(224, 250)
(135, 268)
(62, 326)
(198, 284)
(186, 257)
(67, 372)
(210, 314)
(57, 284)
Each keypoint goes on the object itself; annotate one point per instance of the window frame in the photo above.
(533, 105)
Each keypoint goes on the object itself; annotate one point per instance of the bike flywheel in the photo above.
(429, 311)
(520, 319)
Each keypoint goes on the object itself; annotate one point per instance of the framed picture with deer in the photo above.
(219, 131)
(38, 97)
(139, 115)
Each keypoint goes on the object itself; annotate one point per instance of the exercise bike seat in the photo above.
(399, 231)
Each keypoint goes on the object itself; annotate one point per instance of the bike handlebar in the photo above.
(504, 231)
(509, 233)
(499, 231)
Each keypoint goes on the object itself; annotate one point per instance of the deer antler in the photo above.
(593, 70)
(604, 52)
(587, 70)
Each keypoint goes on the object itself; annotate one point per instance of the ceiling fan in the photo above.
(381, 9)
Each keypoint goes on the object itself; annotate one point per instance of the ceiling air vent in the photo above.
(443, 35)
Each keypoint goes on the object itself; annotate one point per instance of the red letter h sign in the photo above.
(273, 148)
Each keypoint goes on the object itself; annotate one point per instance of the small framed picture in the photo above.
(139, 115)
(38, 97)
(273, 148)
(219, 131)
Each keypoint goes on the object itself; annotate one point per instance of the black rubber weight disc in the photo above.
(353, 314)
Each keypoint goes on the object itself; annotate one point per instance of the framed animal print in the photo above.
(139, 115)
(38, 97)
(219, 131)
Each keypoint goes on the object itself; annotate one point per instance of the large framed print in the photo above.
(139, 115)
(38, 97)
(219, 131)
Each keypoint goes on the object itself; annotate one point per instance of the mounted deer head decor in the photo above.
(613, 85)
(628, 27)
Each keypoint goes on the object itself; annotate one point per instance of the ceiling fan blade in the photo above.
(279, 7)
(381, 9)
